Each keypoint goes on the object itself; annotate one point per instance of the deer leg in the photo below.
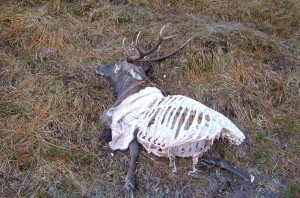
(223, 164)
(106, 118)
(106, 135)
(195, 161)
(172, 163)
(130, 177)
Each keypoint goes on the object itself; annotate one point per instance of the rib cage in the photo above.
(169, 126)
(183, 127)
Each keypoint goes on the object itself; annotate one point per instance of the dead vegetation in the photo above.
(243, 61)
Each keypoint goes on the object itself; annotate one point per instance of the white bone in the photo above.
(169, 126)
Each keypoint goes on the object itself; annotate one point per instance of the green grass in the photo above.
(292, 191)
(53, 152)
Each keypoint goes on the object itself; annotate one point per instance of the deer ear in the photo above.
(135, 74)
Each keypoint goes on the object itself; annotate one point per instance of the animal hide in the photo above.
(126, 115)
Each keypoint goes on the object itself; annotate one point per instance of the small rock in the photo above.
(285, 146)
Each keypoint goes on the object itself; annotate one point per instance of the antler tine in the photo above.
(131, 48)
(137, 38)
(166, 56)
(164, 38)
(134, 57)
(123, 46)
(161, 30)
(161, 39)
(142, 53)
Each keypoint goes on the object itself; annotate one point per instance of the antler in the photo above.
(142, 53)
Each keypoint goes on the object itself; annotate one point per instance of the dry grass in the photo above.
(243, 61)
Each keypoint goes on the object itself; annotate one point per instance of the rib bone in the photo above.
(170, 126)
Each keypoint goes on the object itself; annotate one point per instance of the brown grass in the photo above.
(243, 61)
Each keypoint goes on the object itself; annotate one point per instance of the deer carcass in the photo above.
(166, 126)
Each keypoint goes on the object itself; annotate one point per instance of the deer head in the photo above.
(122, 74)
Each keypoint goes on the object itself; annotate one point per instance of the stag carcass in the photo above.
(167, 126)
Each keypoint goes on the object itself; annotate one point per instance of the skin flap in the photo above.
(125, 116)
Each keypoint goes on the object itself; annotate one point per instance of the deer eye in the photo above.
(117, 68)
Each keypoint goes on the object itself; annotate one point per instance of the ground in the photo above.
(243, 61)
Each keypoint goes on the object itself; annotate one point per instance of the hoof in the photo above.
(174, 170)
(193, 171)
(129, 187)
